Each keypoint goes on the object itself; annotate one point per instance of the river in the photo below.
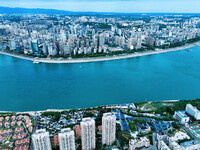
(25, 86)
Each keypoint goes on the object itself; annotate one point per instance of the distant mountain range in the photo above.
(9, 10)
(16, 10)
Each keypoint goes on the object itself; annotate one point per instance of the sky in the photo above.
(122, 6)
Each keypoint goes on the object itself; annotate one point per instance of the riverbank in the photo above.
(96, 59)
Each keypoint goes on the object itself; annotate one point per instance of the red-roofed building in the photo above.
(25, 147)
(7, 118)
(19, 123)
(78, 130)
(12, 123)
(19, 136)
(23, 141)
(6, 124)
(30, 129)
(1, 138)
(55, 140)
(1, 119)
(17, 130)
(15, 136)
(13, 118)
(9, 130)
(100, 128)
(20, 117)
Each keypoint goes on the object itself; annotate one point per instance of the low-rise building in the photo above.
(143, 127)
(174, 145)
(162, 146)
(193, 111)
(181, 117)
(191, 145)
(139, 143)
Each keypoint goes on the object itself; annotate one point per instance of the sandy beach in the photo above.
(95, 59)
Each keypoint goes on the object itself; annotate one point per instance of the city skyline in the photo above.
(121, 6)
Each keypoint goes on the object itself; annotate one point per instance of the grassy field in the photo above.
(153, 105)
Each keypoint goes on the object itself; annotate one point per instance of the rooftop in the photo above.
(189, 143)
(65, 130)
(182, 113)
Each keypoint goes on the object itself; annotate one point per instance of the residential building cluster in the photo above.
(66, 119)
(155, 132)
(168, 142)
(15, 131)
(41, 138)
(106, 127)
(71, 36)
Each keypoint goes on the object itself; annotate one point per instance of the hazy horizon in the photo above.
(120, 6)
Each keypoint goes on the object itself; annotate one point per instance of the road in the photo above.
(188, 131)
(34, 129)
(154, 141)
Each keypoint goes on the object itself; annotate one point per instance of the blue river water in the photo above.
(25, 86)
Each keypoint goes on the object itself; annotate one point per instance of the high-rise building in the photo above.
(41, 140)
(108, 128)
(198, 25)
(55, 49)
(129, 44)
(66, 139)
(88, 134)
(139, 42)
(113, 28)
(34, 46)
(119, 32)
(12, 45)
(96, 28)
(66, 49)
(101, 40)
(150, 41)
(44, 49)
(50, 49)
(61, 47)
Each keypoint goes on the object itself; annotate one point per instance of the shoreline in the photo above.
(60, 110)
(98, 59)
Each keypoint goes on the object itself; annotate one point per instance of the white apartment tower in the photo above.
(88, 134)
(66, 139)
(108, 128)
(193, 111)
(41, 140)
